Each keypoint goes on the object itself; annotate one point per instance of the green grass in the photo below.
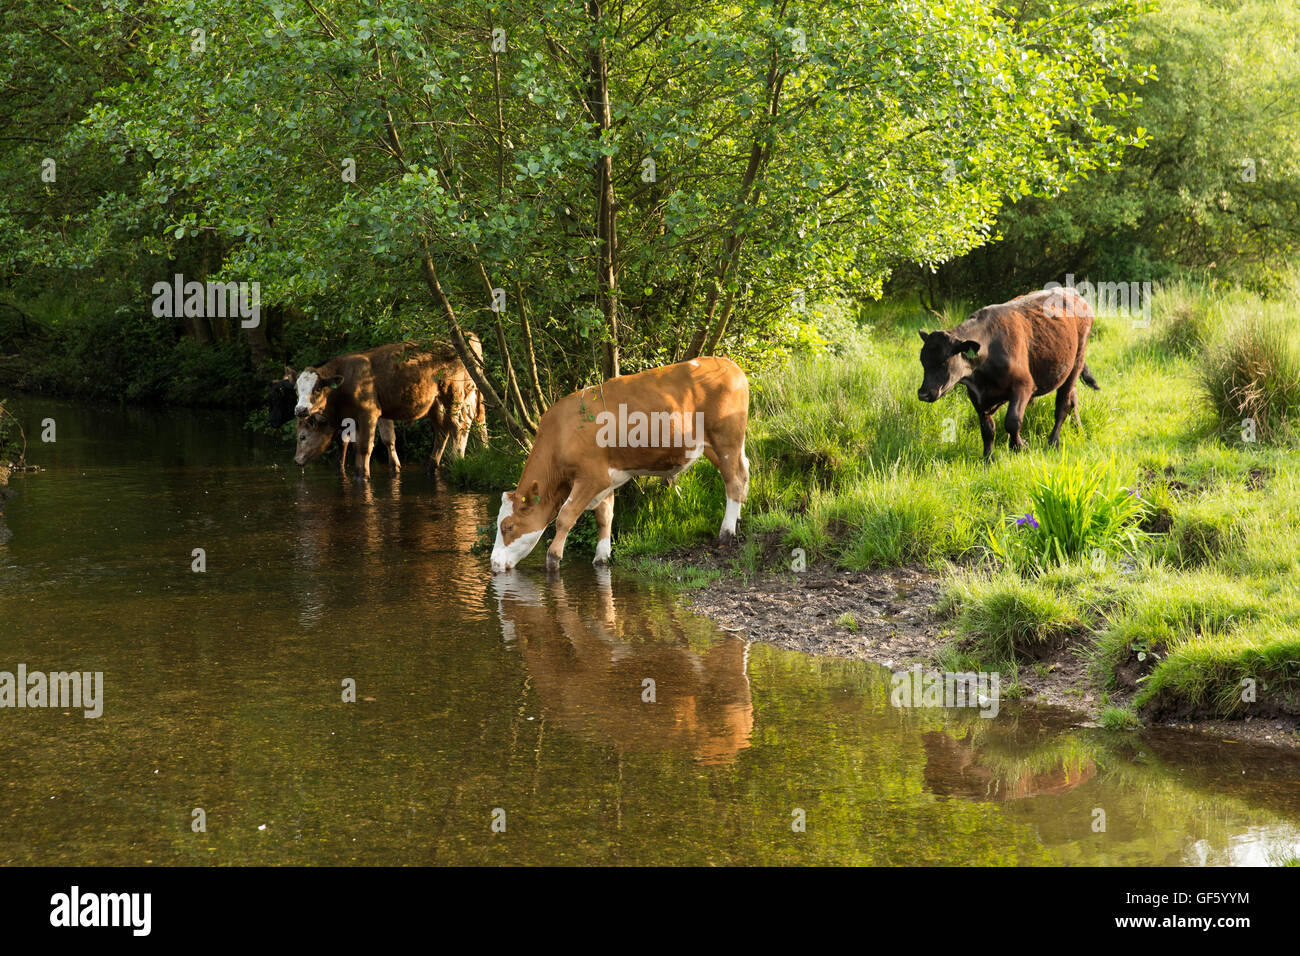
(1119, 718)
(849, 466)
(1251, 375)
(1007, 617)
(1078, 511)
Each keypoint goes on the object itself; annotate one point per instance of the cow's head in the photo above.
(281, 396)
(520, 522)
(312, 389)
(314, 435)
(945, 360)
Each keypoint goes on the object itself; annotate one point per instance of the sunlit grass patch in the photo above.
(1251, 376)
(1163, 609)
(1006, 617)
(1227, 673)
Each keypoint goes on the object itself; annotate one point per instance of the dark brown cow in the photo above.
(403, 381)
(1010, 354)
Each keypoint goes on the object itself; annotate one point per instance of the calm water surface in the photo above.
(478, 698)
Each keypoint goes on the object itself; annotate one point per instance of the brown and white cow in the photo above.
(402, 381)
(1010, 354)
(657, 422)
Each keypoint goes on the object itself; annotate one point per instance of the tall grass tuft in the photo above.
(1185, 314)
(1251, 379)
(1079, 510)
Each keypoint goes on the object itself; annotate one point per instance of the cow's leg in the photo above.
(1020, 399)
(604, 524)
(388, 435)
(480, 419)
(462, 437)
(579, 497)
(457, 432)
(1065, 399)
(366, 428)
(734, 467)
(343, 455)
(987, 427)
(440, 436)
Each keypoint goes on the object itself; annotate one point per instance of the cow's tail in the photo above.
(1088, 380)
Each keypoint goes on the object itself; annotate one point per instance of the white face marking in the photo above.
(506, 556)
(306, 383)
(602, 551)
(729, 519)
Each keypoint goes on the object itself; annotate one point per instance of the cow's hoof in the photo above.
(552, 562)
(726, 539)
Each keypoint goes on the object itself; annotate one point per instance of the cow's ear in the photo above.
(925, 336)
(290, 373)
(531, 497)
(970, 348)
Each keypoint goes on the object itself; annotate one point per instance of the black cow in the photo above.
(1010, 354)
(281, 396)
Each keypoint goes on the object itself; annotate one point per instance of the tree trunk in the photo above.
(472, 362)
(606, 227)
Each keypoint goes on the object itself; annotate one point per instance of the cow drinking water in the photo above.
(657, 422)
(402, 381)
(1010, 354)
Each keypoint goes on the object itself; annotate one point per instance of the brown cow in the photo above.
(1010, 354)
(656, 422)
(403, 381)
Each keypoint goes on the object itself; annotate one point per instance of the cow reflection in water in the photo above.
(589, 664)
(956, 768)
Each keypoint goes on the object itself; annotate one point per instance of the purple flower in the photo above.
(1027, 522)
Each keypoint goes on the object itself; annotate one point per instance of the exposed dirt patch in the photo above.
(1258, 479)
(881, 616)
(1159, 521)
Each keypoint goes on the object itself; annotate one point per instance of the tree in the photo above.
(1215, 189)
(601, 186)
